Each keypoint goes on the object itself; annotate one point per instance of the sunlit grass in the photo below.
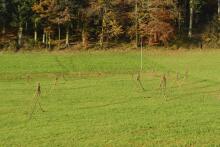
(98, 102)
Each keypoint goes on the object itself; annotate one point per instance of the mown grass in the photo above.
(97, 101)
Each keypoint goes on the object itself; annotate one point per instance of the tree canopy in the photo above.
(101, 22)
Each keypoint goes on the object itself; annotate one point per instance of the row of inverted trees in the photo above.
(153, 21)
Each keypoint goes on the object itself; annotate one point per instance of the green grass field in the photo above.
(97, 101)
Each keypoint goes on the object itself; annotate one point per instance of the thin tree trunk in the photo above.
(67, 37)
(141, 53)
(218, 17)
(35, 31)
(185, 13)
(48, 40)
(44, 38)
(103, 28)
(35, 36)
(84, 36)
(107, 39)
(20, 33)
(3, 29)
(191, 18)
(136, 22)
(3, 2)
(219, 10)
(59, 32)
(179, 16)
(179, 22)
(102, 33)
(26, 27)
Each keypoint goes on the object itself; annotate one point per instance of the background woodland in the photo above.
(104, 23)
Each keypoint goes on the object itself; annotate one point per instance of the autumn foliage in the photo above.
(86, 23)
(160, 29)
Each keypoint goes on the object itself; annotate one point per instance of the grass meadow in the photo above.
(94, 99)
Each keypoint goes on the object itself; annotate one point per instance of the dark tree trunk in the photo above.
(20, 33)
(191, 18)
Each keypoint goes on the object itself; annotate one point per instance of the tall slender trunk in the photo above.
(107, 39)
(179, 22)
(46, 39)
(136, 23)
(84, 36)
(20, 33)
(59, 35)
(191, 18)
(35, 31)
(219, 10)
(185, 9)
(35, 36)
(104, 23)
(179, 17)
(102, 38)
(218, 18)
(26, 27)
(3, 29)
(67, 36)
(59, 32)
(49, 40)
(43, 38)
(141, 53)
(102, 33)
(3, 2)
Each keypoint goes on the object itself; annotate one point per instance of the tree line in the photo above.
(101, 22)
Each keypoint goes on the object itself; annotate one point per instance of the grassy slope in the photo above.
(97, 102)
